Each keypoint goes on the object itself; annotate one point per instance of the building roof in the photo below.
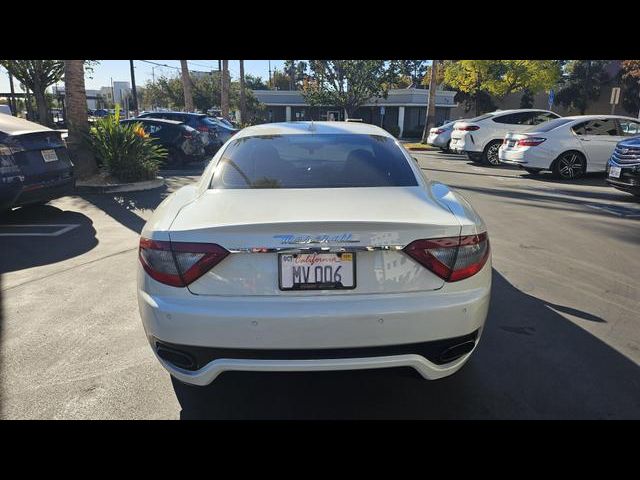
(299, 128)
(410, 97)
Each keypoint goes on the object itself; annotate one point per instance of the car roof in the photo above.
(18, 126)
(176, 113)
(153, 120)
(595, 117)
(319, 128)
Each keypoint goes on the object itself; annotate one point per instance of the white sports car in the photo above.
(568, 146)
(313, 246)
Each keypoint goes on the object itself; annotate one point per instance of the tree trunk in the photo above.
(41, 104)
(77, 119)
(243, 104)
(186, 85)
(430, 120)
(224, 101)
(292, 78)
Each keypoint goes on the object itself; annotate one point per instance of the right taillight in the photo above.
(530, 141)
(468, 128)
(439, 131)
(178, 263)
(451, 258)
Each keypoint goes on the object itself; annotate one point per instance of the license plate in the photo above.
(317, 271)
(614, 172)
(49, 155)
(511, 143)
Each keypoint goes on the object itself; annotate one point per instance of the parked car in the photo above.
(34, 164)
(100, 112)
(441, 136)
(481, 137)
(184, 144)
(199, 121)
(225, 131)
(568, 146)
(623, 168)
(393, 270)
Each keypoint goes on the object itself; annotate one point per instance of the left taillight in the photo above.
(530, 141)
(178, 263)
(451, 258)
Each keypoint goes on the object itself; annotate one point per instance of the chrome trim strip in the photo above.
(369, 248)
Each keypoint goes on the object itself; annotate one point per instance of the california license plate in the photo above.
(49, 155)
(614, 172)
(317, 271)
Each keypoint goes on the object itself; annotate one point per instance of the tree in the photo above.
(348, 84)
(186, 85)
(224, 101)
(413, 70)
(253, 82)
(297, 72)
(430, 120)
(37, 76)
(243, 102)
(77, 119)
(630, 85)
(470, 77)
(581, 83)
(279, 80)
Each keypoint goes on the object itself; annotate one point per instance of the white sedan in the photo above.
(441, 136)
(568, 146)
(313, 246)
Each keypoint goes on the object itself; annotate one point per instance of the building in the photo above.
(92, 95)
(404, 109)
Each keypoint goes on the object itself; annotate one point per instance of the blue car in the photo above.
(623, 168)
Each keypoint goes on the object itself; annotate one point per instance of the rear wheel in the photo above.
(490, 153)
(570, 165)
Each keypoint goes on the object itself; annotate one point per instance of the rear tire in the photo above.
(490, 153)
(570, 166)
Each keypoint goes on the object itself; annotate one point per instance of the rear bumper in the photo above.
(534, 157)
(465, 144)
(43, 192)
(439, 141)
(395, 322)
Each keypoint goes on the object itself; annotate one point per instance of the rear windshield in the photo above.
(481, 117)
(313, 161)
(550, 125)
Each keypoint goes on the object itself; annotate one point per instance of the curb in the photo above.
(122, 187)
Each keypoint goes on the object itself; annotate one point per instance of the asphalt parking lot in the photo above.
(562, 339)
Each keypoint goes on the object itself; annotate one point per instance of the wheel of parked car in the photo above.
(570, 165)
(175, 158)
(490, 153)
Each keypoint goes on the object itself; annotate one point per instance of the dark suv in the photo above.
(623, 168)
(184, 144)
(198, 121)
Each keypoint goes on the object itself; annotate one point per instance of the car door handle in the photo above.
(585, 139)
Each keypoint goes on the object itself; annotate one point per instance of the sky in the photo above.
(119, 71)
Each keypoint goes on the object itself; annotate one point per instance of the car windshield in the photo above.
(313, 161)
(550, 125)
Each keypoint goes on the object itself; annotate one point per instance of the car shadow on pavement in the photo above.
(54, 235)
(532, 363)
(123, 207)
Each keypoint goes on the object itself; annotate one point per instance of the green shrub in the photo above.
(125, 150)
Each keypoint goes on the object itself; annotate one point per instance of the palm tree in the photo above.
(77, 119)
(224, 101)
(430, 121)
(243, 105)
(186, 85)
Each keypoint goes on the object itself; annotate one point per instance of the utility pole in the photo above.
(269, 74)
(186, 86)
(133, 90)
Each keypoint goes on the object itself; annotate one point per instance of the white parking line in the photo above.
(65, 227)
